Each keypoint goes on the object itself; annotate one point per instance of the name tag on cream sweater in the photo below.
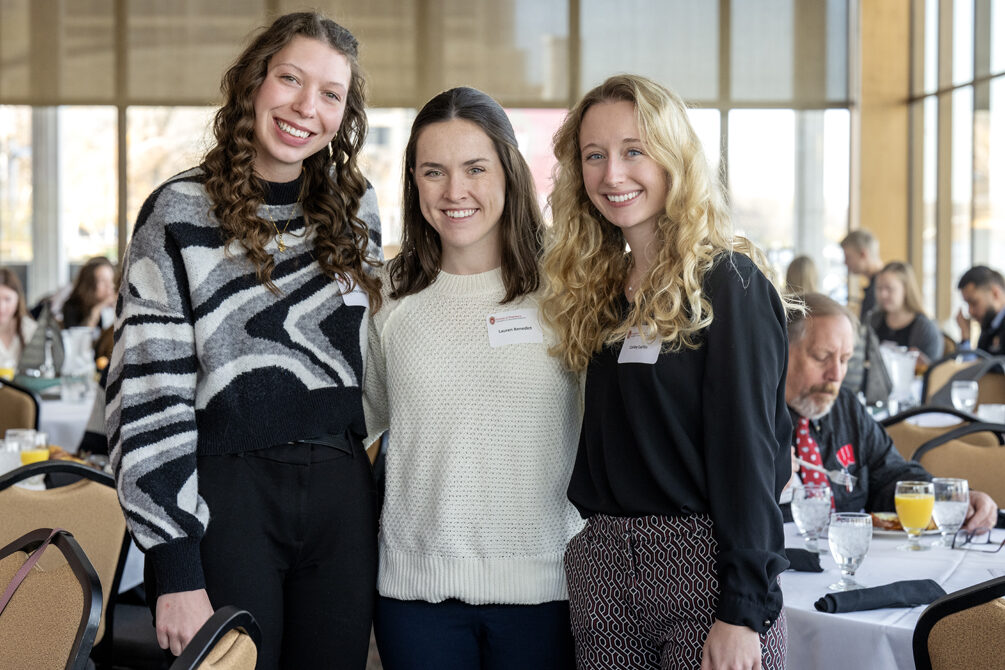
(519, 326)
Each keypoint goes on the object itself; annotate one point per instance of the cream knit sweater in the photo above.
(481, 446)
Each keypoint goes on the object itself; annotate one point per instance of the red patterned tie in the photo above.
(807, 449)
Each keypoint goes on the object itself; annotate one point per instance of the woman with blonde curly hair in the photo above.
(684, 444)
(235, 382)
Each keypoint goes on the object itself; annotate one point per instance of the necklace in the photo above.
(279, 233)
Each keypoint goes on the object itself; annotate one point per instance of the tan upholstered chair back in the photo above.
(89, 510)
(17, 409)
(234, 651)
(907, 437)
(40, 623)
(984, 467)
(991, 389)
(949, 345)
(969, 639)
(939, 375)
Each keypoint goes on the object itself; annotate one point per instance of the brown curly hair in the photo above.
(333, 185)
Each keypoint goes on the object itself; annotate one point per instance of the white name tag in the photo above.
(637, 350)
(521, 326)
(354, 298)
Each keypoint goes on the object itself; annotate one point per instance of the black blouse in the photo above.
(702, 430)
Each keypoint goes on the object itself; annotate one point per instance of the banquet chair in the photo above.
(88, 508)
(962, 629)
(950, 456)
(53, 616)
(949, 345)
(986, 370)
(18, 407)
(907, 436)
(227, 641)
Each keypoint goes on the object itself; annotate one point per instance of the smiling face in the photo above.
(462, 190)
(299, 106)
(622, 181)
(890, 292)
(818, 362)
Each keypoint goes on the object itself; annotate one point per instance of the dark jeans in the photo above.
(417, 635)
(292, 539)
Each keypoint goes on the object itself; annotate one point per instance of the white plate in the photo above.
(883, 532)
(934, 420)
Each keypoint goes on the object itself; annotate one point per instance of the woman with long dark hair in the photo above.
(482, 420)
(92, 296)
(234, 402)
(684, 444)
(16, 327)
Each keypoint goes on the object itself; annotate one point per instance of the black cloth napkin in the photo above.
(909, 593)
(801, 560)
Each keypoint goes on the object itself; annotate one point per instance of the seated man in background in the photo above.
(983, 289)
(833, 429)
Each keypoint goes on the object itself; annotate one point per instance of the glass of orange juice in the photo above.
(914, 502)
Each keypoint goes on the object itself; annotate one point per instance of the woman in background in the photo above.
(482, 420)
(16, 327)
(684, 446)
(92, 299)
(801, 276)
(234, 390)
(899, 316)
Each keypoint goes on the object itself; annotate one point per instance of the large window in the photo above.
(959, 104)
(102, 100)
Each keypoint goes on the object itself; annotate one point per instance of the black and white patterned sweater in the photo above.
(208, 361)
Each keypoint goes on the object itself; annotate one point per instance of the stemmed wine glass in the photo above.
(849, 537)
(964, 395)
(914, 502)
(952, 499)
(811, 509)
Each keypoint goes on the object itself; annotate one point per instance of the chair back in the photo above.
(52, 618)
(227, 641)
(950, 456)
(991, 389)
(907, 436)
(962, 629)
(88, 508)
(949, 345)
(18, 407)
(936, 388)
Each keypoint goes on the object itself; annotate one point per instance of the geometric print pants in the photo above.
(643, 593)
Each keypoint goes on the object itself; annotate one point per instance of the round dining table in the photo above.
(64, 421)
(875, 639)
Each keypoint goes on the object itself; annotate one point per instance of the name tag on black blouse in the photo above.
(635, 349)
(520, 326)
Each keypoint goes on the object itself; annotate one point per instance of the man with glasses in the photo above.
(833, 430)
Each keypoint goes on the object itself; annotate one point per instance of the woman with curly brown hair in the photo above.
(234, 386)
(684, 444)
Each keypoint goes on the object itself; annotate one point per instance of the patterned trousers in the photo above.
(643, 593)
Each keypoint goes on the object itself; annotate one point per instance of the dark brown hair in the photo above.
(333, 185)
(418, 263)
(85, 286)
(10, 280)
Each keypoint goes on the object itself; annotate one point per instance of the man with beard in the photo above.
(833, 429)
(983, 289)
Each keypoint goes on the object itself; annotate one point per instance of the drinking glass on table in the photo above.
(952, 499)
(849, 537)
(964, 395)
(914, 502)
(38, 451)
(811, 510)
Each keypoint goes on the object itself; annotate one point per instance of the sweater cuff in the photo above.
(743, 612)
(177, 566)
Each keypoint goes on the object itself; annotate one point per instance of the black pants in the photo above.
(292, 538)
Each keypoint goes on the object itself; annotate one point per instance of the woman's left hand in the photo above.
(730, 647)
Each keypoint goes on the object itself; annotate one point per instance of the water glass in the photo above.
(10, 457)
(964, 395)
(914, 502)
(952, 500)
(811, 509)
(849, 537)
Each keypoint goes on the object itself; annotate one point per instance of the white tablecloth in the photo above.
(64, 421)
(875, 639)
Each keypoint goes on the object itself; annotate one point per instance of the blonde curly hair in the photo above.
(585, 262)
